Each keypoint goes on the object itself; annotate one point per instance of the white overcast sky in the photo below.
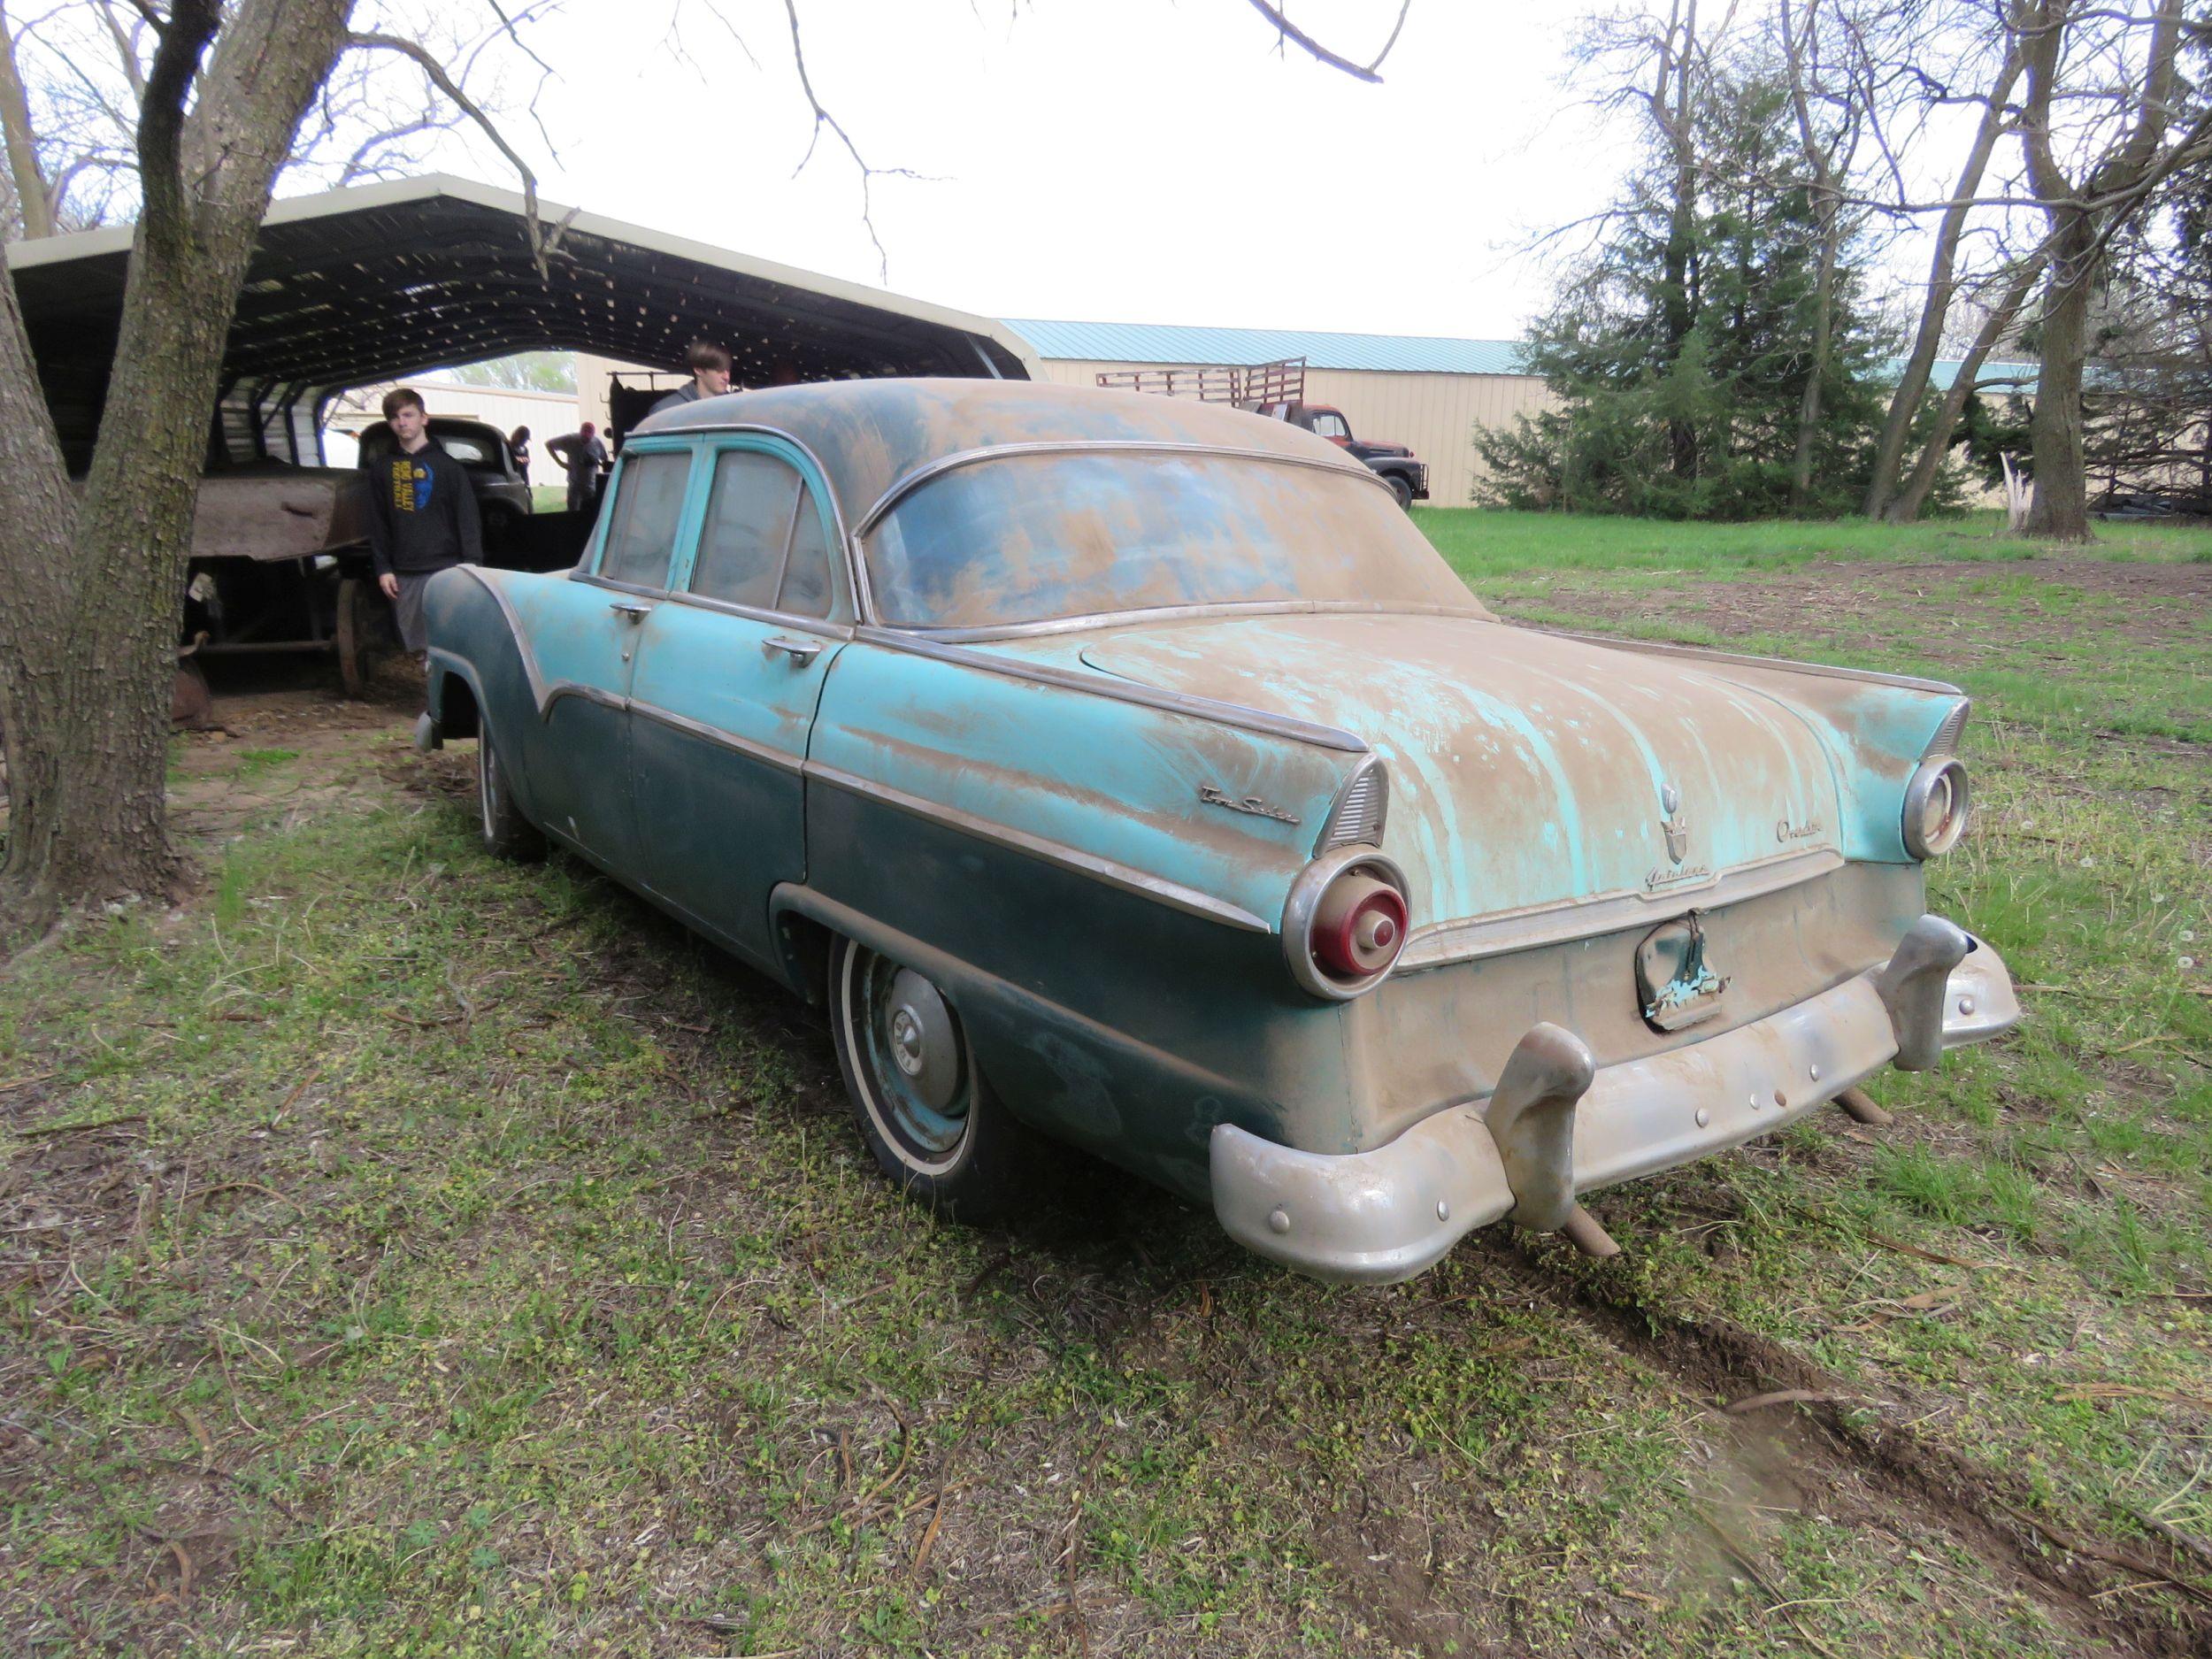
(1117, 160)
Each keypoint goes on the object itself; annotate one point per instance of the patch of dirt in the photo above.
(1858, 1459)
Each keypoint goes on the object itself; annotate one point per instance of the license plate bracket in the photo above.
(1677, 984)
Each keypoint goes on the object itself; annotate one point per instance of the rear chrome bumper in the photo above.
(1557, 1125)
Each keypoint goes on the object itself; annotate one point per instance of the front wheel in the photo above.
(507, 834)
(925, 1111)
(1401, 488)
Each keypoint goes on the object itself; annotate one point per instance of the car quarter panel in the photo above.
(1056, 840)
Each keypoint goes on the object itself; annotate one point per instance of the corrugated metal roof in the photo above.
(1400, 354)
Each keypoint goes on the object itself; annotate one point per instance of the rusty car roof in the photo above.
(870, 435)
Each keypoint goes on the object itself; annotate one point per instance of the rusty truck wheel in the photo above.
(355, 633)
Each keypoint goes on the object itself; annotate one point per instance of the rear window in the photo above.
(1036, 538)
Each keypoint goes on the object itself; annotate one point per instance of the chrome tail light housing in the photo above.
(1939, 799)
(1345, 923)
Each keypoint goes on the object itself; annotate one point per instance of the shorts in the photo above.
(414, 628)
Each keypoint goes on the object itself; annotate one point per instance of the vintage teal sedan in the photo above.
(1131, 774)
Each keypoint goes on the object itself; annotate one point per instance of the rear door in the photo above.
(728, 675)
(586, 653)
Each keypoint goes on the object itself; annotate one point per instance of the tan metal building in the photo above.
(1427, 393)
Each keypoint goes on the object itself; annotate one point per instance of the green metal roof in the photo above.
(1398, 354)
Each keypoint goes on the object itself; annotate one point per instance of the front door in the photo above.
(589, 654)
(729, 672)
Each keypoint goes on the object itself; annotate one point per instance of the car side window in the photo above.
(806, 574)
(762, 544)
(748, 527)
(649, 500)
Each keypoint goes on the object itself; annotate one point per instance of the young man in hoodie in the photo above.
(422, 514)
(710, 367)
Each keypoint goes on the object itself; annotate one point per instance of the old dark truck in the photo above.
(1278, 390)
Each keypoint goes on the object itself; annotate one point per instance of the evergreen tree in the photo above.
(1678, 352)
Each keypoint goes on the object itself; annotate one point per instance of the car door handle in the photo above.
(630, 611)
(799, 650)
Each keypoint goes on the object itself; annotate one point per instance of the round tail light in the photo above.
(1346, 922)
(1937, 804)
(1359, 927)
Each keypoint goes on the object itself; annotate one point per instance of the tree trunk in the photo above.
(1935, 309)
(90, 589)
(2060, 507)
(1906, 505)
(37, 212)
(1808, 408)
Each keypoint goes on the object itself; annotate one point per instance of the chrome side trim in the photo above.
(1121, 690)
(561, 689)
(1232, 609)
(776, 757)
(1823, 671)
(1172, 894)
(920, 475)
(1472, 938)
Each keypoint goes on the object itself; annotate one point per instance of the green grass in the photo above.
(1481, 543)
(451, 1257)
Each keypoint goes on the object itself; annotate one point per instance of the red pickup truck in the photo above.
(1278, 390)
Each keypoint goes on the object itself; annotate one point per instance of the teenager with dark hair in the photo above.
(422, 514)
(710, 367)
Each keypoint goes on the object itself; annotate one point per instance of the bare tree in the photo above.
(91, 576)
(89, 581)
(1822, 69)
(2100, 94)
(1919, 59)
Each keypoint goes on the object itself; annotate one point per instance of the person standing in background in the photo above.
(519, 447)
(585, 458)
(422, 515)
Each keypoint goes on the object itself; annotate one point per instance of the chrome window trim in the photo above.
(1229, 608)
(1101, 685)
(1822, 671)
(841, 534)
(910, 481)
(757, 613)
(591, 579)
(1172, 894)
(1470, 938)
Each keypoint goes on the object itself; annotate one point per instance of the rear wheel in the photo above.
(925, 1111)
(507, 834)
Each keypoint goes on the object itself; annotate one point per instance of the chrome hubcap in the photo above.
(923, 1041)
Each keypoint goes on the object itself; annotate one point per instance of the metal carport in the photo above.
(383, 280)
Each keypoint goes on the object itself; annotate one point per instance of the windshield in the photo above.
(1036, 538)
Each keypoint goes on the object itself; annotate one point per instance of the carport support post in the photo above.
(91, 582)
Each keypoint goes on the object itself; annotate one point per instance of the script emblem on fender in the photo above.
(1250, 803)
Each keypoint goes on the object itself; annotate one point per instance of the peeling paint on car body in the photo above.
(1084, 825)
